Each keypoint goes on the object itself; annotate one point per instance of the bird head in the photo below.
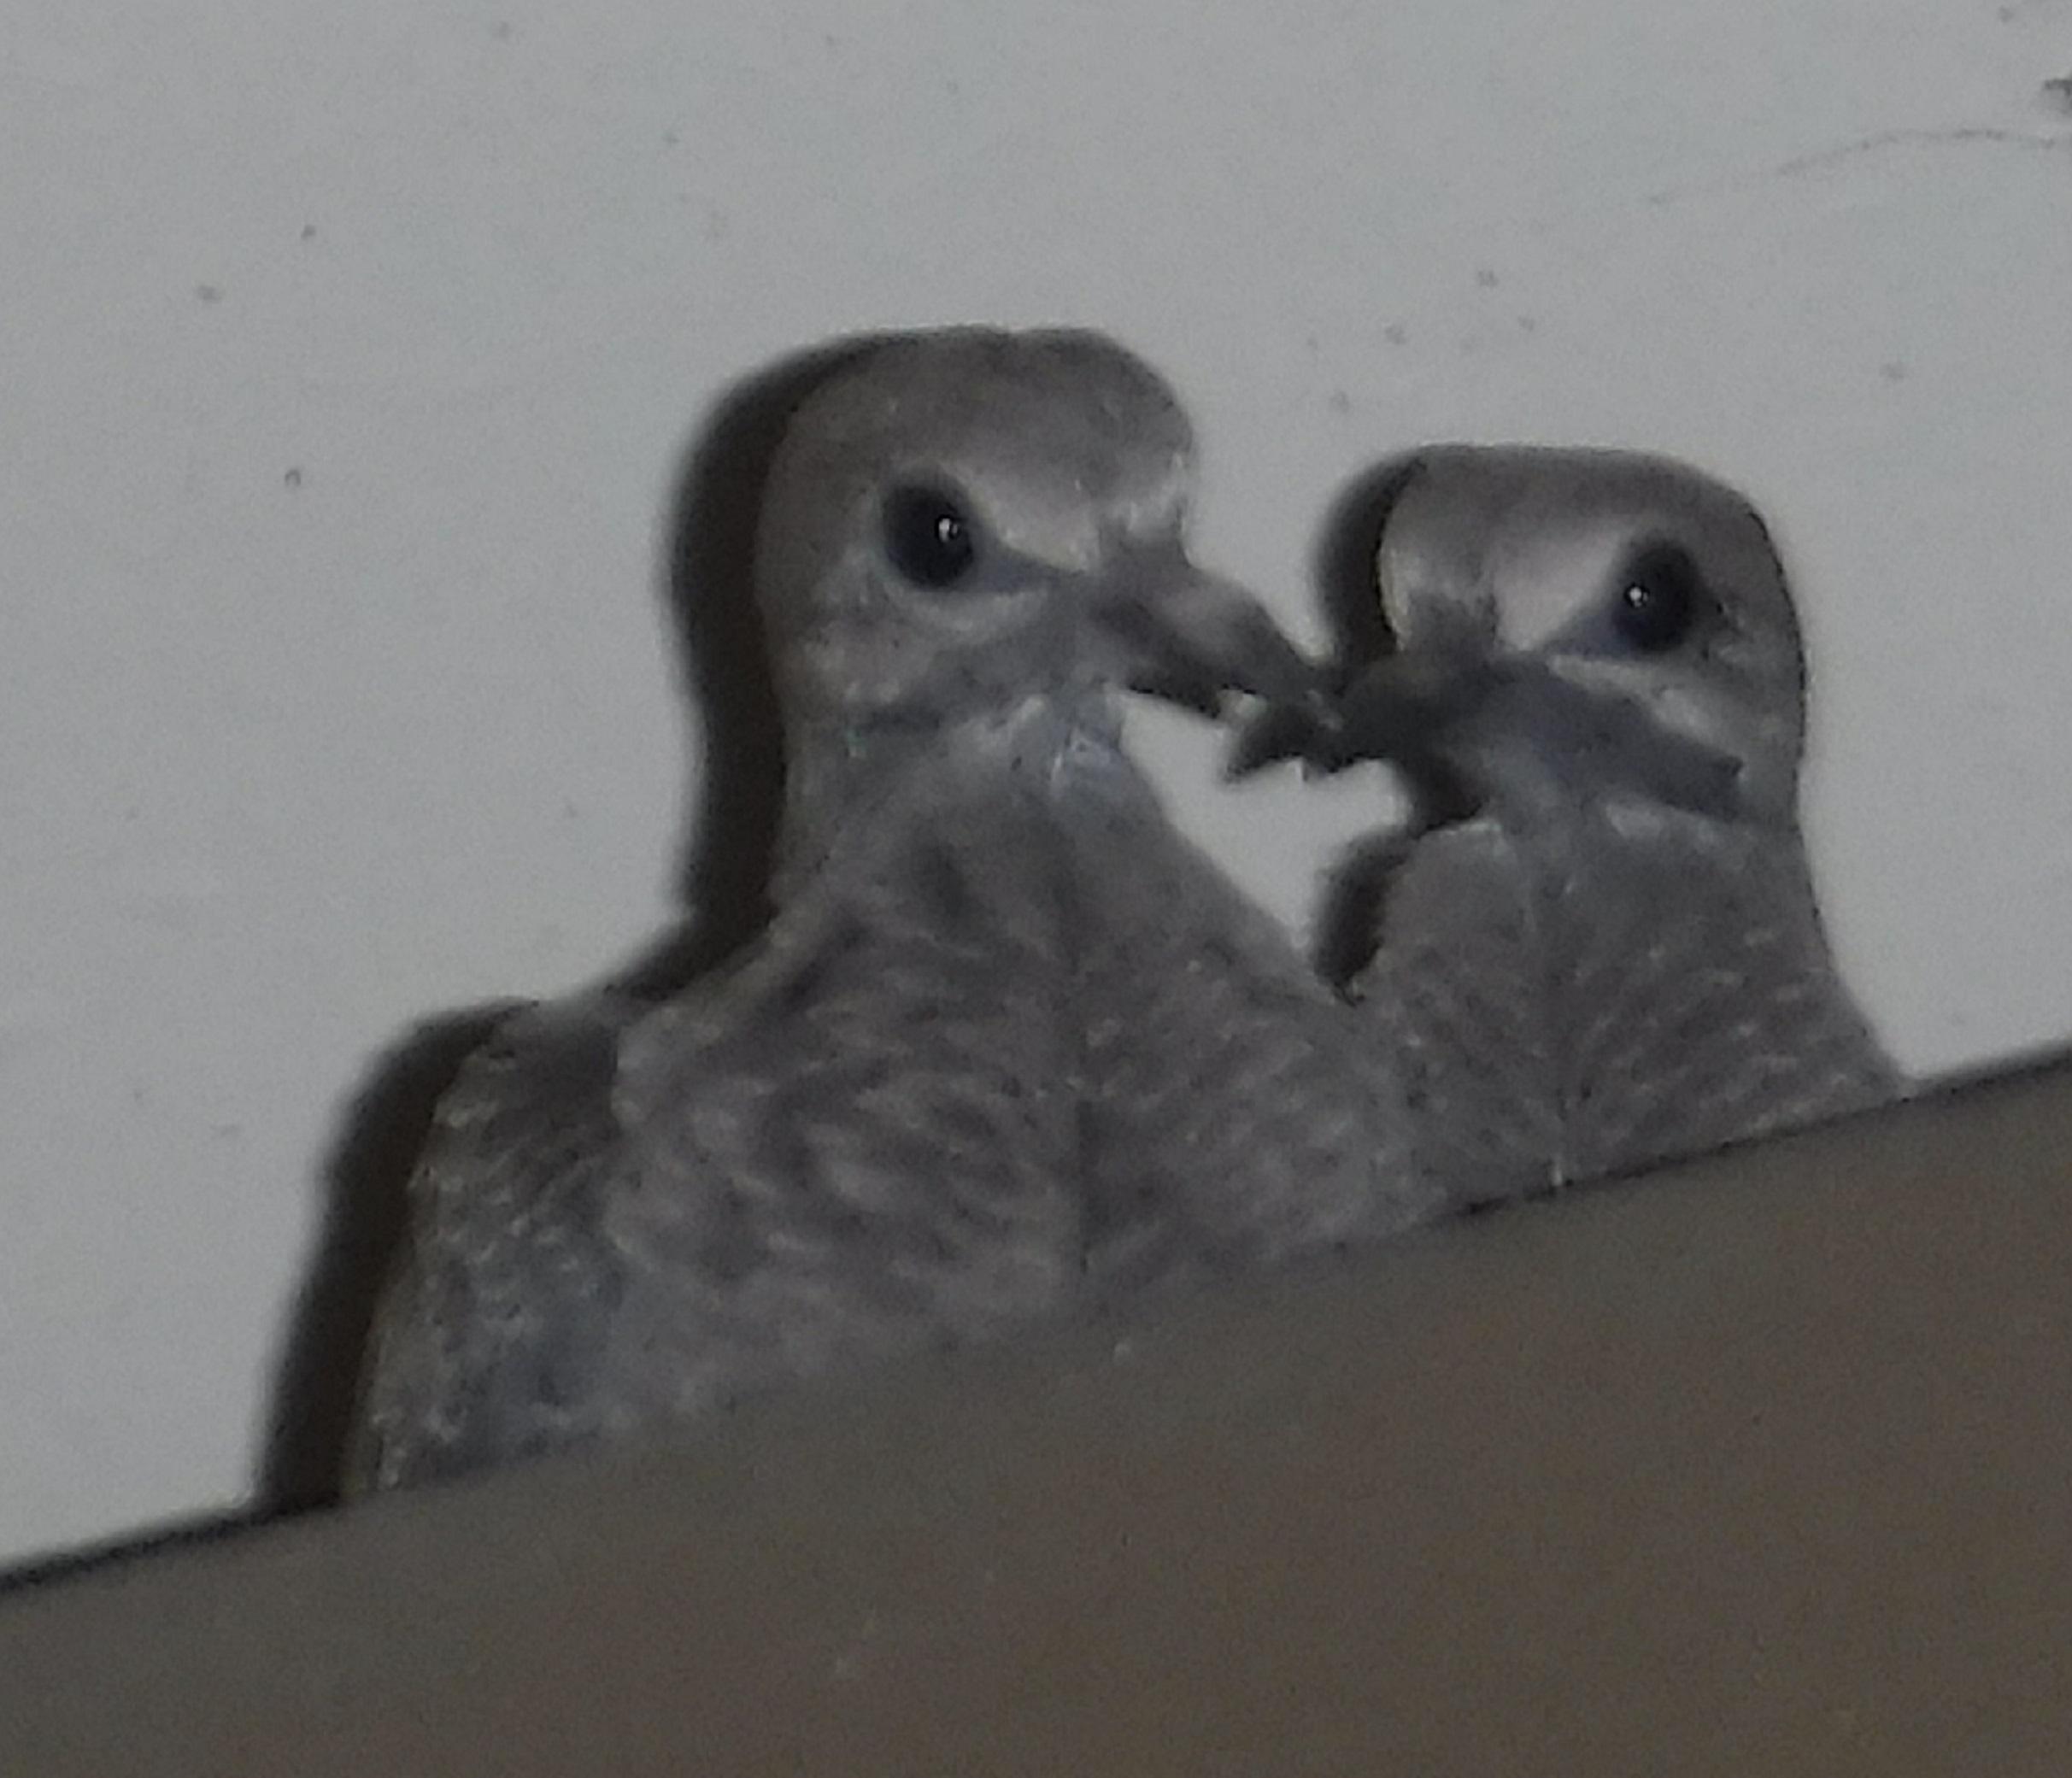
(962, 521)
(1592, 623)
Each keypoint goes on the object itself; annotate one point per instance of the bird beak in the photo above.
(1192, 637)
(1399, 708)
(1402, 705)
(1465, 726)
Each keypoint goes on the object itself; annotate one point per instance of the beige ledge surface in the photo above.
(1762, 1466)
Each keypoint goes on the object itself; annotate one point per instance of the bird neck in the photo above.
(844, 781)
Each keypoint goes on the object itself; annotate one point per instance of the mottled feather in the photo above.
(1010, 1047)
(1608, 950)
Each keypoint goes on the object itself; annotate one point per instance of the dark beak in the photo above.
(1473, 727)
(1193, 638)
(1400, 708)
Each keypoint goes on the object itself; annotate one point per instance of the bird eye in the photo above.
(928, 537)
(1660, 597)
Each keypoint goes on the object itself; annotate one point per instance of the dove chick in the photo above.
(1010, 1047)
(1603, 948)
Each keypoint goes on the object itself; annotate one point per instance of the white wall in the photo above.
(347, 358)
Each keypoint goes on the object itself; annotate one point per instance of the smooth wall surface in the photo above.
(349, 358)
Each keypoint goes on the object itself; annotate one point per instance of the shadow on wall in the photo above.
(1345, 557)
(724, 880)
(1348, 920)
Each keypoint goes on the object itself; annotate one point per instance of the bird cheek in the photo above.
(1672, 692)
(855, 667)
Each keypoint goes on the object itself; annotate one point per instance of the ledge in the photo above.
(1762, 1466)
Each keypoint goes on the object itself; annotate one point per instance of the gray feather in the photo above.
(1009, 1049)
(1615, 954)
(491, 1336)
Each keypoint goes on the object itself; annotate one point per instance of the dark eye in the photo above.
(1660, 597)
(928, 537)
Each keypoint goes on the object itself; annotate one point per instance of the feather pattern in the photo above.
(1606, 948)
(1564, 1005)
(1009, 1049)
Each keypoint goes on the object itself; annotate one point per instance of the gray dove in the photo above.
(1009, 1048)
(1602, 947)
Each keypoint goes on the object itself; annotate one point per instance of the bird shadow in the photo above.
(723, 878)
(1346, 560)
(1353, 897)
